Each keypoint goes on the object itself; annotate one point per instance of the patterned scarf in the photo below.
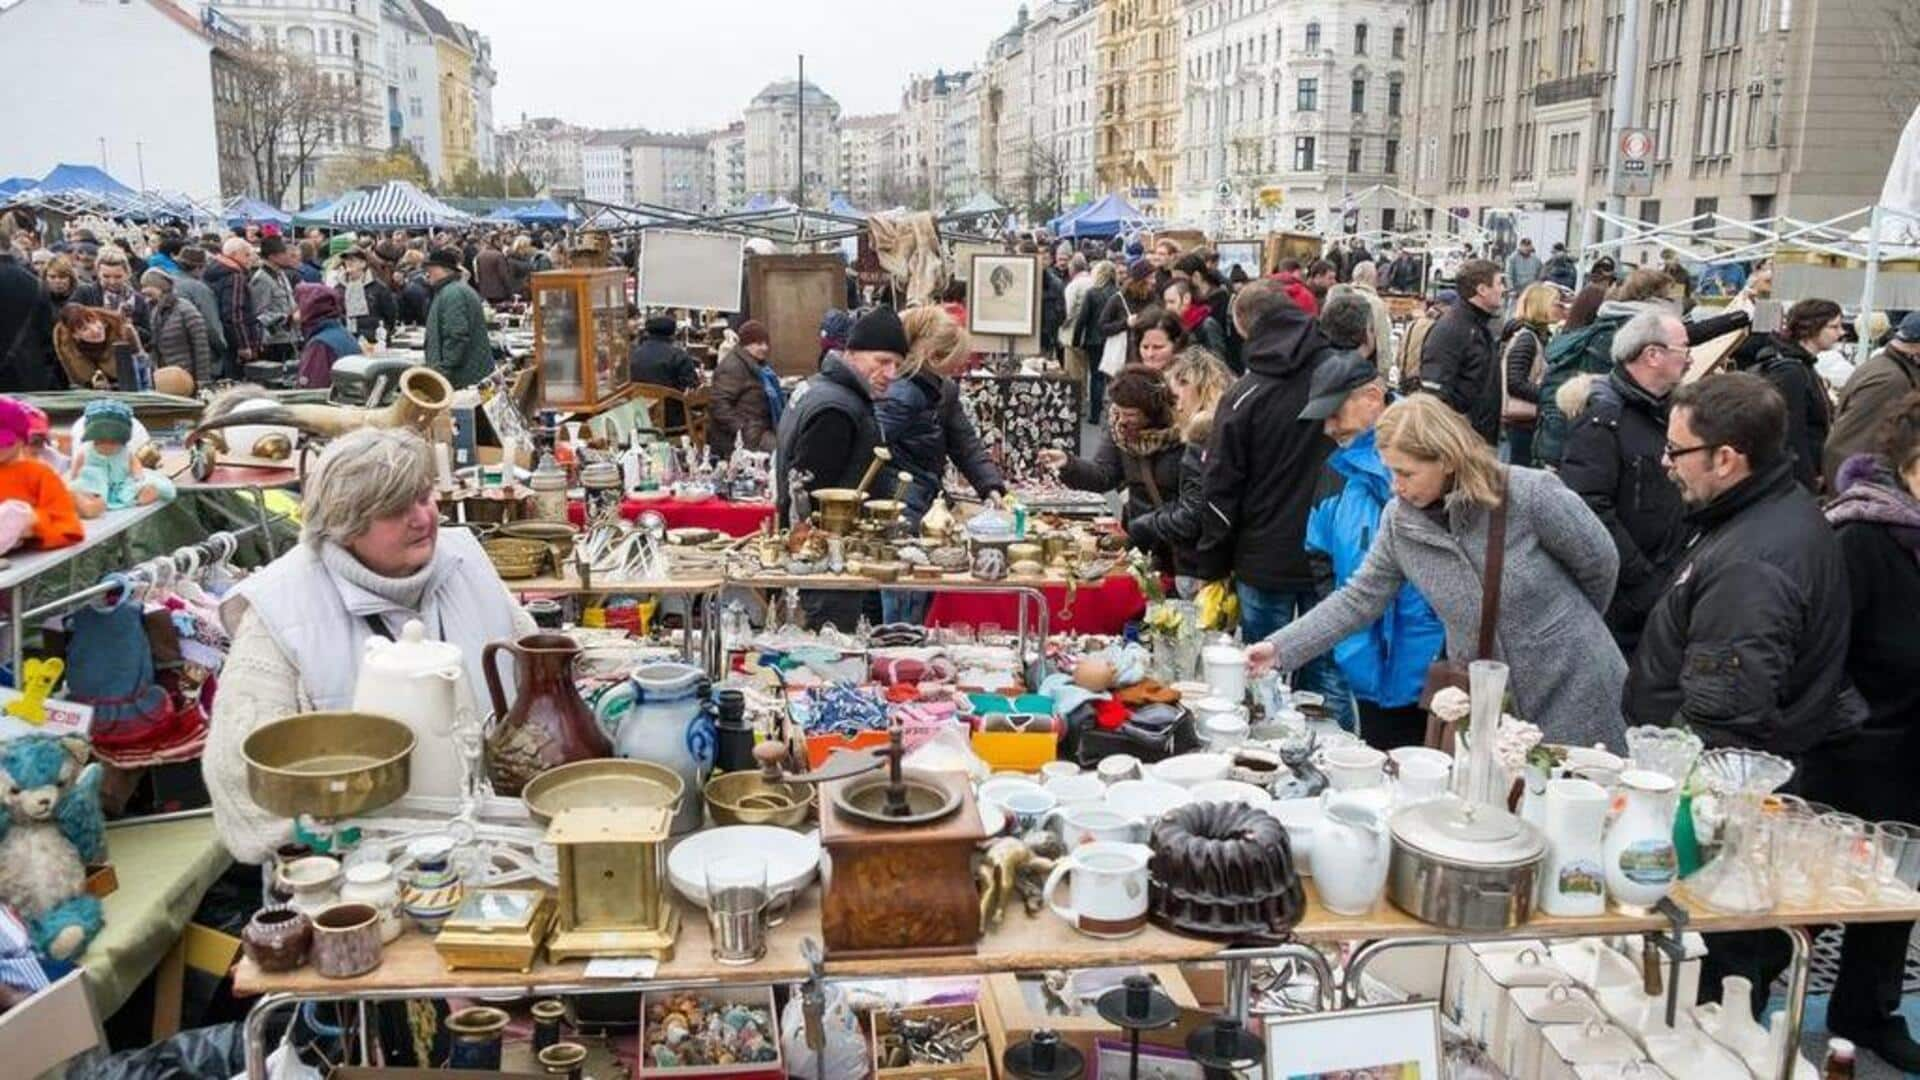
(1144, 443)
(1871, 493)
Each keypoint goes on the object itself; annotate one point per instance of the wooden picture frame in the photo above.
(789, 294)
(699, 271)
(1242, 253)
(1003, 295)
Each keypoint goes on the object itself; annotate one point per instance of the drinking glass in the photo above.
(1899, 860)
(1800, 850)
(1854, 856)
(739, 908)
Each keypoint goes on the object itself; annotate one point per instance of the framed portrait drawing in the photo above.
(1244, 254)
(1113, 1061)
(1003, 295)
(1394, 1042)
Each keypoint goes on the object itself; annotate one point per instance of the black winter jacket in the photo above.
(1175, 526)
(925, 425)
(1263, 461)
(1749, 645)
(416, 296)
(1053, 307)
(1520, 345)
(658, 361)
(1087, 334)
(382, 310)
(1613, 462)
(1111, 470)
(1459, 362)
(1790, 369)
(828, 432)
(27, 363)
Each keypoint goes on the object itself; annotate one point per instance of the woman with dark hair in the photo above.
(1585, 307)
(1786, 360)
(1876, 520)
(1162, 336)
(1139, 450)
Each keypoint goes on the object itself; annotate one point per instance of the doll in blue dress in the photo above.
(104, 475)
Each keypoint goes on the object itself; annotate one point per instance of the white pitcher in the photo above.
(1573, 882)
(1109, 888)
(1638, 853)
(1350, 854)
(422, 684)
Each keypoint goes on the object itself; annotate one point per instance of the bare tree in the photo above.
(1900, 53)
(1046, 179)
(288, 110)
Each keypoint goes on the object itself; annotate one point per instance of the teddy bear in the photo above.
(51, 828)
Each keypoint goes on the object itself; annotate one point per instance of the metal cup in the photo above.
(740, 908)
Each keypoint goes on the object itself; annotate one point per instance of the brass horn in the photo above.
(424, 395)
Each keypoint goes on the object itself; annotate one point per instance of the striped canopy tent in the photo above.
(395, 204)
(245, 210)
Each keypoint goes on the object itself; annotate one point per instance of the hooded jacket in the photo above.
(1877, 523)
(1264, 461)
(323, 325)
(238, 325)
(1748, 646)
(1148, 470)
(925, 427)
(457, 342)
(180, 338)
(1385, 662)
(1175, 525)
(1789, 367)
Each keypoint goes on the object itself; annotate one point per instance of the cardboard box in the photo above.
(49, 1028)
(760, 997)
(975, 1066)
(1014, 1006)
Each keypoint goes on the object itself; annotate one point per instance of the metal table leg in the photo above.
(1798, 973)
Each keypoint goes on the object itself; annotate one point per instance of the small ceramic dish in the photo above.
(1188, 770)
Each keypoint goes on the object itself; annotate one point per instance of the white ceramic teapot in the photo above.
(423, 684)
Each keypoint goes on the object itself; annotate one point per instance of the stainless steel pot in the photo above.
(1462, 866)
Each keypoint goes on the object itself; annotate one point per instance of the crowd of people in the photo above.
(204, 306)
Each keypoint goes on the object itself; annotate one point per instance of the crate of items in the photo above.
(961, 1021)
(722, 1031)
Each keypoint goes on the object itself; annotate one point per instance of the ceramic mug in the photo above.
(277, 939)
(1350, 768)
(1079, 790)
(1108, 891)
(1225, 731)
(1054, 770)
(1420, 779)
(1117, 767)
(313, 882)
(1078, 825)
(346, 940)
(1027, 807)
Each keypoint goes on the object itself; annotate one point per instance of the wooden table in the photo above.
(1022, 943)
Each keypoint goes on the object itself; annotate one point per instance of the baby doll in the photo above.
(104, 475)
(35, 507)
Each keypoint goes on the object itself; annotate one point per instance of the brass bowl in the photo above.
(1024, 552)
(747, 798)
(839, 507)
(881, 571)
(515, 557)
(616, 782)
(327, 765)
(884, 511)
(557, 535)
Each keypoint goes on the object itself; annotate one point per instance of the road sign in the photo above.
(1633, 162)
(1224, 192)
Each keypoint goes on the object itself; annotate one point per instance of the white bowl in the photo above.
(1231, 791)
(1080, 789)
(995, 788)
(1186, 770)
(792, 857)
(1146, 799)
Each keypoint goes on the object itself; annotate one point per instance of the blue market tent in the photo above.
(82, 180)
(315, 214)
(247, 210)
(839, 205)
(1109, 216)
(15, 183)
(545, 212)
(395, 204)
(1055, 225)
(764, 201)
(503, 216)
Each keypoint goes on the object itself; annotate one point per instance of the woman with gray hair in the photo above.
(371, 558)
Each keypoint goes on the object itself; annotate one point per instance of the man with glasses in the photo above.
(1748, 646)
(1612, 461)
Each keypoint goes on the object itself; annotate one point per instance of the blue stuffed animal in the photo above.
(50, 829)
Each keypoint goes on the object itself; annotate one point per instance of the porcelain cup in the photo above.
(1027, 807)
(1420, 779)
(1107, 894)
(1080, 825)
(1054, 770)
(1350, 768)
(1081, 789)
(1117, 767)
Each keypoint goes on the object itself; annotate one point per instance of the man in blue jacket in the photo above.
(1385, 664)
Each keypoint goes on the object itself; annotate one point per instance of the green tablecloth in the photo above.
(164, 869)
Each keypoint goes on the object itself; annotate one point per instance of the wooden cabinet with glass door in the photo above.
(580, 338)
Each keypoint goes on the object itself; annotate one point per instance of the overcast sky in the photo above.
(694, 64)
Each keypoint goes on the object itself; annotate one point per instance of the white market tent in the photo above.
(395, 204)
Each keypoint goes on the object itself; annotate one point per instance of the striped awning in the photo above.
(396, 204)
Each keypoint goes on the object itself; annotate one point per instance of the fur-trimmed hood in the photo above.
(87, 364)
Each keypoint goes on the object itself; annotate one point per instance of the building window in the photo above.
(1360, 39)
(1399, 43)
(1308, 97)
(1313, 37)
(1303, 154)
(1650, 211)
(1353, 155)
(1393, 97)
(1359, 98)
(1392, 163)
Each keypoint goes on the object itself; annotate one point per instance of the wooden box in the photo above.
(975, 1066)
(496, 929)
(760, 997)
(889, 891)
(580, 338)
(1013, 1007)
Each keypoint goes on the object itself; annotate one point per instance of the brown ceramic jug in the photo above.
(548, 723)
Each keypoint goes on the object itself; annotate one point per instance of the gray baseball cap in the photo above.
(1338, 375)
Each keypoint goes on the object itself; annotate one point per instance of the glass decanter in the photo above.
(1739, 878)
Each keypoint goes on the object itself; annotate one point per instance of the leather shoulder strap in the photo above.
(1490, 579)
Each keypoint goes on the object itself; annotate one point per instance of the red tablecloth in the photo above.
(730, 518)
(1097, 609)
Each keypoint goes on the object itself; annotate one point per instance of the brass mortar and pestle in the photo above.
(840, 507)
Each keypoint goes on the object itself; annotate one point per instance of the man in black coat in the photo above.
(27, 363)
(1748, 647)
(1263, 465)
(1460, 360)
(1613, 462)
(658, 360)
(828, 436)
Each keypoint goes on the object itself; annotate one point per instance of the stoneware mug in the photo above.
(277, 939)
(346, 940)
(1108, 888)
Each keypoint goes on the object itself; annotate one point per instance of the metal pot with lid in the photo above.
(1464, 866)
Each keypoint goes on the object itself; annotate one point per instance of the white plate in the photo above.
(792, 857)
(1188, 770)
(1231, 791)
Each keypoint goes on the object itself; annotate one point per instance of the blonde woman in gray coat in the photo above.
(1566, 672)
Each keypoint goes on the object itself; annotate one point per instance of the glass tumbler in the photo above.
(1899, 861)
(1800, 850)
(1854, 856)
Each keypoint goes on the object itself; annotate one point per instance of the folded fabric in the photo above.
(1147, 692)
